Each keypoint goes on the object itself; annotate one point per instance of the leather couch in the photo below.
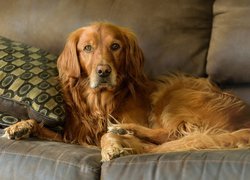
(204, 38)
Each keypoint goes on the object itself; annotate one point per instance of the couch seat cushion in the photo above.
(197, 165)
(40, 160)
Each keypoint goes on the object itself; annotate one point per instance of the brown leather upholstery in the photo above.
(173, 35)
(229, 53)
(202, 37)
(43, 160)
(197, 165)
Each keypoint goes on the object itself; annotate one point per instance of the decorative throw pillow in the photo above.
(29, 88)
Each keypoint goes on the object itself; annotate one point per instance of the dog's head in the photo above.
(105, 54)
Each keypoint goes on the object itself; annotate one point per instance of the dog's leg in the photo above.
(237, 139)
(27, 128)
(118, 144)
(156, 136)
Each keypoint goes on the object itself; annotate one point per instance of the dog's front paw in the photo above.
(20, 130)
(113, 151)
(113, 146)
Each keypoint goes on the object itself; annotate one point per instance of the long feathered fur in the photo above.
(174, 113)
(178, 112)
(88, 108)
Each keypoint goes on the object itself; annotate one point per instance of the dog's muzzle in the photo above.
(103, 70)
(104, 77)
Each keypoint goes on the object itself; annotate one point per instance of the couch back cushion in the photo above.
(174, 35)
(229, 53)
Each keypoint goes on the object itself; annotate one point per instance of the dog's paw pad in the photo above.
(21, 133)
(18, 131)
(119, 131)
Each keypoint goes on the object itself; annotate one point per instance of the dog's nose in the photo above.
(103, 70)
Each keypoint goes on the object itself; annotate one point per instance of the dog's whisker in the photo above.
(117, 122)
(109, 123)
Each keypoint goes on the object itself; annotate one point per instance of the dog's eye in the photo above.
(88, 48)
(114, 46)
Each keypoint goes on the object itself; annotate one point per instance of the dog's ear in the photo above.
(68, 64)
(134, 56)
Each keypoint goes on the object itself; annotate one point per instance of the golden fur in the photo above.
(112, 104)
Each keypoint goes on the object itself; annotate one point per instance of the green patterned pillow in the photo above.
(29, 88)
(7, 120)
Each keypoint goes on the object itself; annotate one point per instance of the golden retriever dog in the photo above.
(112, 104)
